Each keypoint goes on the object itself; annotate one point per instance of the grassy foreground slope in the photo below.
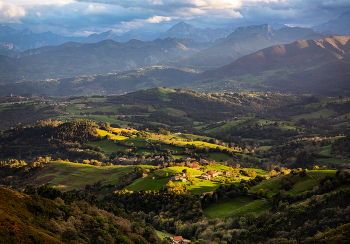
(16, 220)
(32, 219)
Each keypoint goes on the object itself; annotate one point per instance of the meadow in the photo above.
(68, 176)
(226, 208)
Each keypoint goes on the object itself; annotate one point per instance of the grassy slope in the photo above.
(161, 177)
(162, 235)
(301, 183)
(228, 208)
(107, 146)
(68, 176)
(201, 186)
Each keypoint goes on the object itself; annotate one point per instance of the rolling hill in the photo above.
(113, 83)
(321, 66)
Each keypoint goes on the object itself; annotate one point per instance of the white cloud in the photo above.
(78, 16)
(157, 19)
(83, 33)
(10, 13)
(155, 2)
(227, 13)
(40, 2)
(137, 23)
(95, 9)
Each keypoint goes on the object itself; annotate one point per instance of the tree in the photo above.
(261, 193)
(30, 190)
(189, 175)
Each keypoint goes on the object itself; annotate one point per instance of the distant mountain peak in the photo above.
(6, 30)
(340, 26)
(182, 28)
(265, 30)
(99, 37)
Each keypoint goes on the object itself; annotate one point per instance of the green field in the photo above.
(137, 142)
(67, 176)
(202, 186)
(219, 167)
(234, 207)
(162, 234)
(147, 184)
(324, 113)
(107, 146)
(260, 171)
(162, 176)
(112, 136)
(328, 161)
(218, 157)
(305, 183)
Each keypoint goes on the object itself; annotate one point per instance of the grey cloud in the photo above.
(101, 15)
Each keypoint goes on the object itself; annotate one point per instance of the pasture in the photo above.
(67, 176)
(235, 207)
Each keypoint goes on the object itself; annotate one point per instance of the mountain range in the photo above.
(280, 36)
(341, 25)
(243, 41)
(26, 39)
(74, 59)
(315, 66)
(307, 66)
(249, 50)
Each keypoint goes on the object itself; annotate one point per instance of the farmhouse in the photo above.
(179, 239)
(204, 177)
(180, 177)
(214, 173)
(195, 166)
(159, 158)
(203, 161)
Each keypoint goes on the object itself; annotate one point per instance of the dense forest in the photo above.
(46, 215)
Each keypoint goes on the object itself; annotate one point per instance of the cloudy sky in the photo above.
(83, 17)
